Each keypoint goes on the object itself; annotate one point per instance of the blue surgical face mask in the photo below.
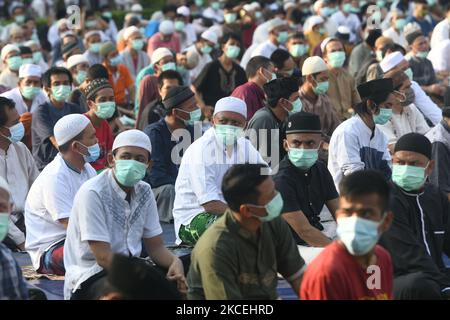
(273, 209)
(169, 66)
(93, 152)
(409, 178)
(383, 117)
(296, 106)
(303, 158)
(116, 60)
(17, 132)
(227, 134)
(358, 235)
(129, 172)
(193, 116)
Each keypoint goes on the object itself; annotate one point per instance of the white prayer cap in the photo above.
(275, 23)
(75, 60)
(231, 104)
(314, 21)
(68, 127)
(129, 31)
(4, 185)
(248, 7)
(210, 35)
(314, 64)
(343, 30)
(136, 8)
(7, 49)
(132, 138)
(159, 54)
(166, 27)
(192, 58)
(92, 33)
(317, 5)
(30, 70)
(184, 11)
(391, 60)
(305, 1)
(15, 29)
(274, 6)
(326, 41)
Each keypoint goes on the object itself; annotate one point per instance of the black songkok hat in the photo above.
(377, 90)
(176, 96)
(303, 122)
(414, 142)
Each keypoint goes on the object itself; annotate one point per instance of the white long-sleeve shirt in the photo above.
(440, 33)
(423, 102)
(440, 56)
(353, 146)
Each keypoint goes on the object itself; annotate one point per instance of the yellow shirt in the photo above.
(314, 39)
(342, 92)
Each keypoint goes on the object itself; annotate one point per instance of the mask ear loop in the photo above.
(402, 94)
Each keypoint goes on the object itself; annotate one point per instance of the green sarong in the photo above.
(191, 233)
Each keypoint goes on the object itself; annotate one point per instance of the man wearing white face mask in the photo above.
(134, 58)
(17, 167)
(250, 241)
(419, 235)
(28, 96)
(344, 270)
(50, 200)
(198, 198)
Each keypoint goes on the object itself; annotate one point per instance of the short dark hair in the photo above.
(137, 279)
(169, 8)
(25, 50)
(240, 183)
(279, 57)
(169, 74)
(46, 77)
(66, 146)
(5, 103)
(365, 182)
(229, 35)
(97, 71)
(295, 15)
(399, 48)
(254, 64)
(296, 35)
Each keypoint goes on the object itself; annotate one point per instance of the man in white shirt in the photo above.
(93, 43)
(38, 58)
(188, 28)
(441, 31)
(115, 213)
(358, 143)
(11, 60)
(198, 196)
(278, 36)
(344, 17)
(207, 42)
(50, 200)
(17, 167)
(395, 61)
(27, 95)
(395, 32)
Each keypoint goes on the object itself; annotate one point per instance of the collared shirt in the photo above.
(8, 78)
(50, 199)
(410, 120)
(142, 62)
(425, 105)
(12, 284)
(329, 119)
(354, 146)
(21, 107)
(267, 132)
(253, 95)
(423, 71)
(200, 175)
(164, 170)
(351, 21)
(305, 190)
(420, 233)
(230, 263)
(102, 213)
(440, 33)
(342, 92)
(439, 137)
(43, 122)
(265, 49)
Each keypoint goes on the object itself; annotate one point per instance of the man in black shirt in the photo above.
(420, 232)
(305, 183)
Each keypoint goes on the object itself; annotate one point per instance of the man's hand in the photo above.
(176, 273)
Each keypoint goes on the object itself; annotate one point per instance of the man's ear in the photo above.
(91, 105)
(430, 167)
(387, 222)
(244, 211)
(110, 160)
(373, 108)
(285, 145)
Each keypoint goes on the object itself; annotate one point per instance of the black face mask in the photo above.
(410, 97)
